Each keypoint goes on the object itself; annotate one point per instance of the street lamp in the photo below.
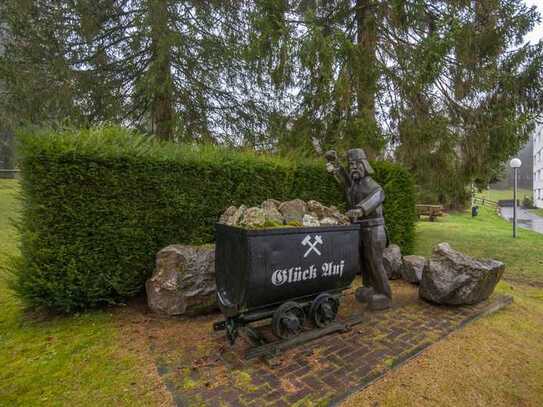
(515, 165)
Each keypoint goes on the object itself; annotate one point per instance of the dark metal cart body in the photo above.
(259, 271)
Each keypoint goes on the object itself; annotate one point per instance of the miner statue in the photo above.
(365, 200)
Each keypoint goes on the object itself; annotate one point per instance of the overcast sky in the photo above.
(537, 33)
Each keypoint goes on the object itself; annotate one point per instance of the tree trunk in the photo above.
(161, 86)
(366, 70)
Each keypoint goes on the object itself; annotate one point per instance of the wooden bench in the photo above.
(432, 211)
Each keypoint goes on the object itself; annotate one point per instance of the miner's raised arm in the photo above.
(334, 168)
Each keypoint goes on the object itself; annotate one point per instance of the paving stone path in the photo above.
(200, 368)
(525, 218)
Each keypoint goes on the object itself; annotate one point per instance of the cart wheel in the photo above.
(288, 320)
(323, 310)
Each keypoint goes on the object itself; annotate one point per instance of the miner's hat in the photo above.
(360, 154)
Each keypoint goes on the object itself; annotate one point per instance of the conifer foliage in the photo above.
(450, 88)
(171, 68)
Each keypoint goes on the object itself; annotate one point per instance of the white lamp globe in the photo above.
(515, 163)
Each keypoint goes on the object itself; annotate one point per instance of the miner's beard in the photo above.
(356, 175)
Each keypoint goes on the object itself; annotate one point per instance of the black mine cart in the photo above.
(286, 274)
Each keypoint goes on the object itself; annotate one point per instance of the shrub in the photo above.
(527, 202)
(98, 204)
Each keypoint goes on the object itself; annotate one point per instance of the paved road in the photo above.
(525, 219)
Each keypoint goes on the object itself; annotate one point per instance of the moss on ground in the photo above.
(189, 383)
(389, 362)
(243, 381)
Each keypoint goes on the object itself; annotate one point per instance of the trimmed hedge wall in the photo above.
(98, 204)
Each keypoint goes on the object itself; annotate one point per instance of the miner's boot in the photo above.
(379, 302)
(364, 294)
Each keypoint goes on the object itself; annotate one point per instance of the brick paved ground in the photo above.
(200, 368)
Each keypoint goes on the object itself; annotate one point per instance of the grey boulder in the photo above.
(329, 221)
(412, 269)
(453, 278)
(324, 212)
(228, 215)
(342, 219)
(319, 210)
(183, 281)
(271, 211)
(392, 261)
(253, 217)
(270, 204)
(310, 221)
(293, 211)
(232, 215)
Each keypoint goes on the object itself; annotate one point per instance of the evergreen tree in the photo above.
(449, 86)
(172, 68)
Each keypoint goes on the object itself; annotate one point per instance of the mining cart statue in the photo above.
(365, 201)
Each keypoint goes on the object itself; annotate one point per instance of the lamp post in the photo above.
(515, 165)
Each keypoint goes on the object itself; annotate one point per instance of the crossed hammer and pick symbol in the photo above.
(312, 245)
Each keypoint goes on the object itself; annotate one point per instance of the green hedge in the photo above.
(98, 205)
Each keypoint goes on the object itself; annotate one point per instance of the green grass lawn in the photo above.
(495, 361)
(74, 361)
(487, 235)
(496, 195)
